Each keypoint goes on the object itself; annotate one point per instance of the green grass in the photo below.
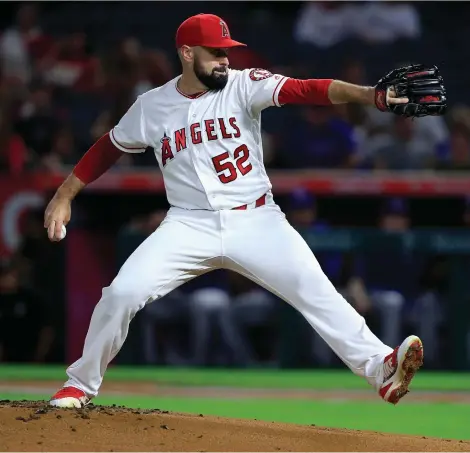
(426, 419)
(305, 379)
(444, 420)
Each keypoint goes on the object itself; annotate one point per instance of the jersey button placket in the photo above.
(191, 118)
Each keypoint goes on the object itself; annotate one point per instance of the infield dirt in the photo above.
(35, 426)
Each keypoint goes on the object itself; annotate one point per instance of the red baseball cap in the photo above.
(205, 30)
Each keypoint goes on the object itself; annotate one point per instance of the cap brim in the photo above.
(226, 43)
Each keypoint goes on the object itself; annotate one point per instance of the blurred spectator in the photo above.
(459, 150)
(301, 212)
(70, 64)
(383, 22)
(250, 310)
(388, 288)
(404, 150)
(319, 139)
(323, 24)
(367, 119)
(25, 333)
(430, 132)
(109, 118)
(63, 152)
(301, 209)
(158, 68)
(22, 44)
(354, 71)
(166, 330)
(123, 70)
(131, 70)
(394, 216)
(37, 122)
(207, 306)
(459, 115)
(352, 286)
(428, 310)
(357, 115)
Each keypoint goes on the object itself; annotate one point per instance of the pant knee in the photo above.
(122, 298)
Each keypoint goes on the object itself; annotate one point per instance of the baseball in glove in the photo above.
(422, 85)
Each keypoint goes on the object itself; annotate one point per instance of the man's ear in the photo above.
(186, 53)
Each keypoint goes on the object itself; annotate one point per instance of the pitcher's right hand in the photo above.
(57, 213)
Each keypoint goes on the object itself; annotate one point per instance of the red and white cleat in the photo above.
(399, 368)
(69, 397)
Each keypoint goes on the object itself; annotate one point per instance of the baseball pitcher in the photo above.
(204, 127)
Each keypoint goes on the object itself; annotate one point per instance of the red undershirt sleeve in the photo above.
(97, 160)
(310, 91)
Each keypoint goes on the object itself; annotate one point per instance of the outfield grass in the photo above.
(428, 419)
(263, 378)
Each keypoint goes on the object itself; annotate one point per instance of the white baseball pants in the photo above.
(258, 243)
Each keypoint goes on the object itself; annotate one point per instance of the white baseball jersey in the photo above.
(208, 147)
(209, 150)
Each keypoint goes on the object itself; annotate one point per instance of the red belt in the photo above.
(259, 202)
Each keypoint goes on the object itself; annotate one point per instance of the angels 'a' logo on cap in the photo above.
(225, 32)
(260, 74)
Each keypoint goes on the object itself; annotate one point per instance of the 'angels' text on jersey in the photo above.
(195, 133)
(208, 146)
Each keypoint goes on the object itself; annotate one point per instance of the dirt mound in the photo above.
(34, 426)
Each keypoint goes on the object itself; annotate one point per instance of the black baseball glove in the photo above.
(422, 85)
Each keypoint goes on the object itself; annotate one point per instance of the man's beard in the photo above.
(213, 81)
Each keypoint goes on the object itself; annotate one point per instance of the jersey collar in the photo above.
(189, 96)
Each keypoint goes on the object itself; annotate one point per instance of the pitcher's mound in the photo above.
(34, 426)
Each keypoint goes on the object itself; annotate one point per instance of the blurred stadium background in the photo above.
(384, 202)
